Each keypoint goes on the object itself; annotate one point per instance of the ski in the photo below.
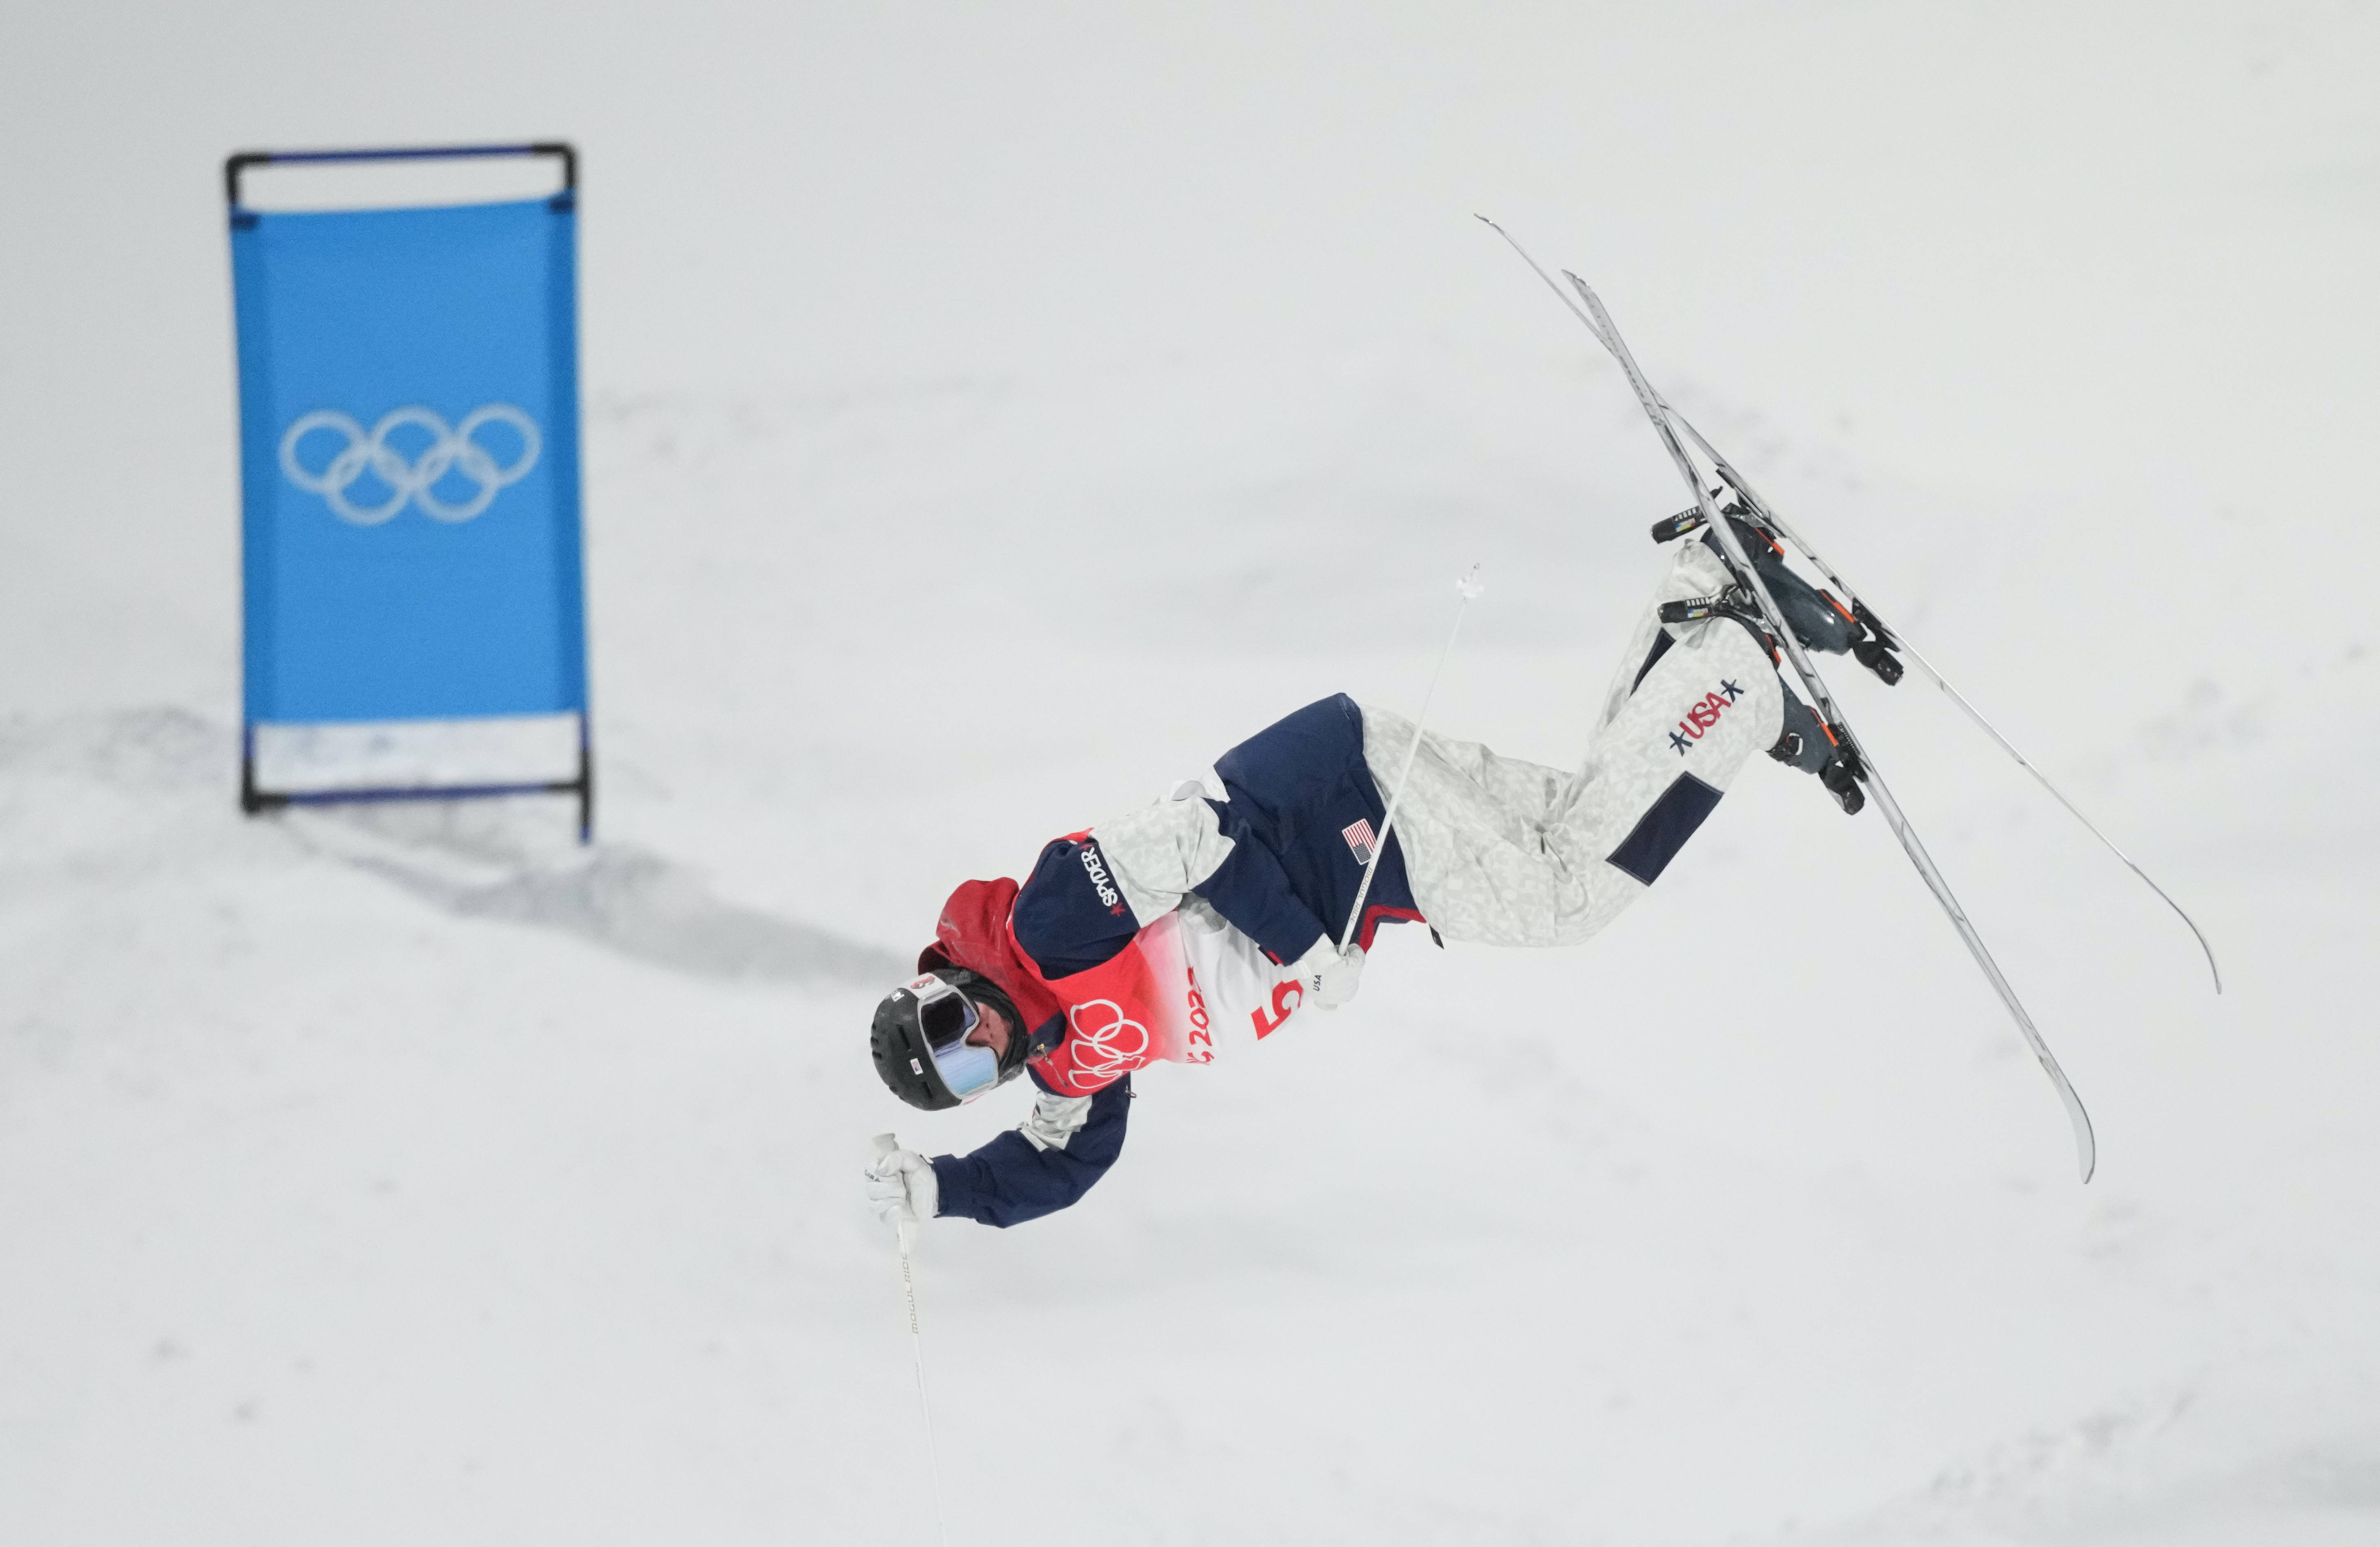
(1765, 515)
(1894, 639)
(1598, 322)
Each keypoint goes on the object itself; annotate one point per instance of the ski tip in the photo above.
(2086, 1139)
(2179, 911)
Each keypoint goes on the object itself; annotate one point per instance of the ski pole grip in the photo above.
(881, 1146)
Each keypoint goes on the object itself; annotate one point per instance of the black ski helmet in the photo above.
(904, 1057)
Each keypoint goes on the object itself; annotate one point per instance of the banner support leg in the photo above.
(586, 781)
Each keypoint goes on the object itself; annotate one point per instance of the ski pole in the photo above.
(1468, 587)
(907, 1233)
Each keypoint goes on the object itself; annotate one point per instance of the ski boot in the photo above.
(1806, 743)
(1817, 620)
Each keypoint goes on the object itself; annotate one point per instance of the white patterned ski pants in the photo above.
(1504, 852)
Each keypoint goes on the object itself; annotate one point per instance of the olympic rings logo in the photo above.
(1109, 1050)
(449, 451)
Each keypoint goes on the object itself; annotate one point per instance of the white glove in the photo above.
(901, 1188)
(1329, 978)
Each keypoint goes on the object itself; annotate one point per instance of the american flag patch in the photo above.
(1360, 841)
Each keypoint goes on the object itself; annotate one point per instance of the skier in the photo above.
(1192, 927)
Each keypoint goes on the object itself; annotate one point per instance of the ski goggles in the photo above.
(945, 1016)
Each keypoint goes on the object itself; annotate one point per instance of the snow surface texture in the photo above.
(1073, 390)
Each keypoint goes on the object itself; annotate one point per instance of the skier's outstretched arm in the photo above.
(1066, 1145)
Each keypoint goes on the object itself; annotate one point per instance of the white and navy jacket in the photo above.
(1163, 935)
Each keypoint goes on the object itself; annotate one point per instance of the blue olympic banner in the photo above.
(409, 470)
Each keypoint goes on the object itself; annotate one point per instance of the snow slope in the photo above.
(1084, 388)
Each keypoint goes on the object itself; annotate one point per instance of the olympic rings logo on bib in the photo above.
(451, 451)
(1102, 1051)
